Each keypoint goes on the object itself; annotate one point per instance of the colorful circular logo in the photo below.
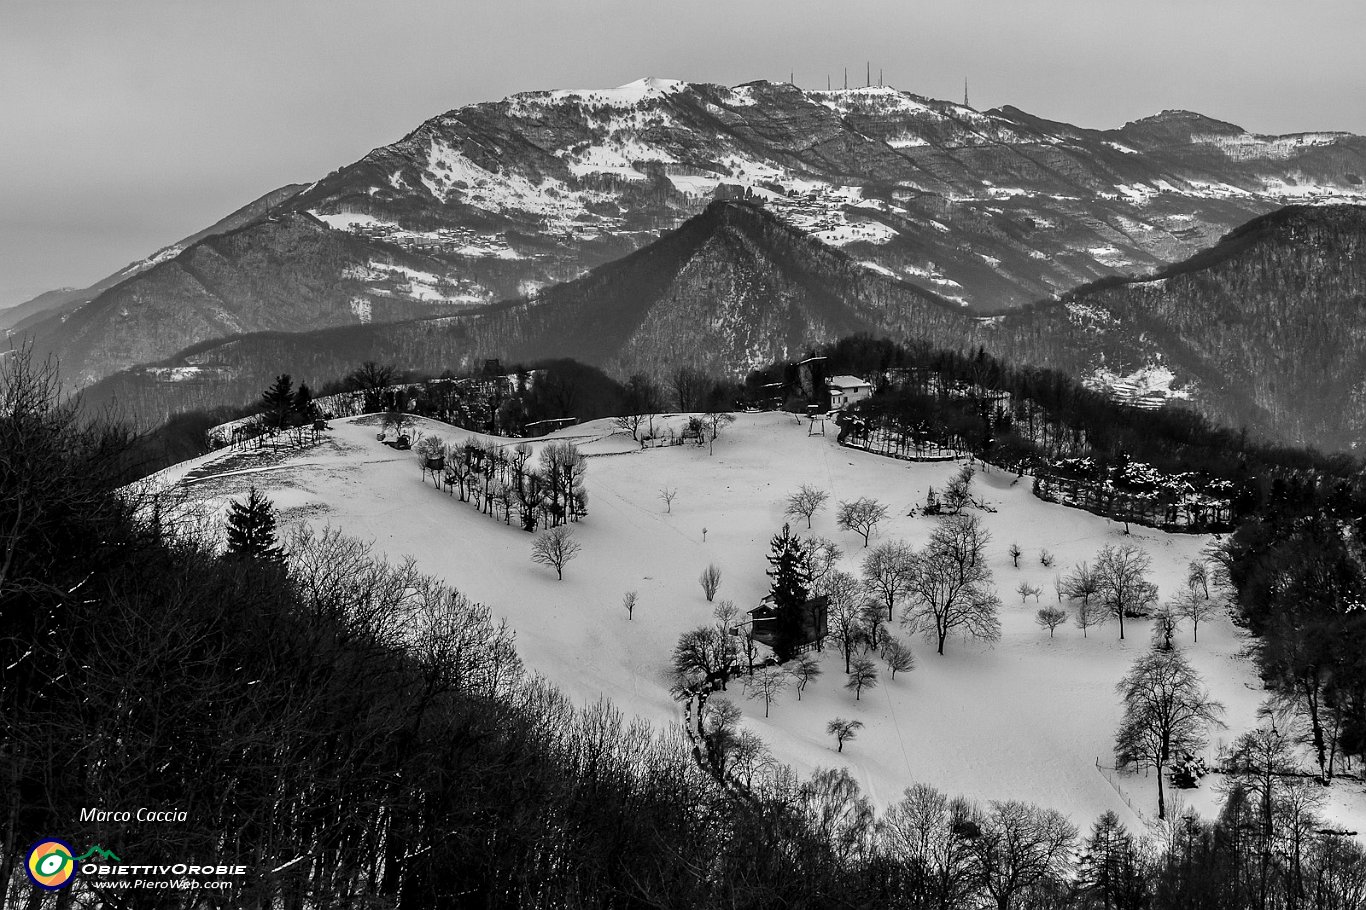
(51, 864)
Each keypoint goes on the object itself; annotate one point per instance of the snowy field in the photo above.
(1026, 718)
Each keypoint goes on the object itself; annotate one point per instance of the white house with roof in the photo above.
(845, 390)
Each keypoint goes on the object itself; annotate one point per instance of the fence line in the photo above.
(1108, 774)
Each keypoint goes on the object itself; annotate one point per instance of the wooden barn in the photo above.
(815, 626)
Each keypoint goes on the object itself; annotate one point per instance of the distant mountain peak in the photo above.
(1190, 120)
(494, 201)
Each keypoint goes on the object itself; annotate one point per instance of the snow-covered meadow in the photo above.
(1026, 718)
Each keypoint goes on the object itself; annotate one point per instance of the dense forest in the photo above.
(1044, 415)
(1265, 327)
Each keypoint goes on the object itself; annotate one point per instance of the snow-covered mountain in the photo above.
(492, 201)
(1263, 330)
(991, 209)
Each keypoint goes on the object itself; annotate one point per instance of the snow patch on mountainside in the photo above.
(1249, 146)
(1082, 314)
(1149, 387)
(883, 99)
(880, 269)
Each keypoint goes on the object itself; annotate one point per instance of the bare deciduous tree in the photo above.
(926, 830)
(689, 386)
(1190, 605)
(710, 579)
(628, 600)
(712, 422)
(1166, 711)
(836, 813)
(749, 757)
(951, 588)
(898, 656)
(958, 493)
(640, 401)
(822, 554)
(555, 547)
(873, 622)
(806, 502)
(668, 495)
(1165, 622)
(1281, 797)
(1015, 554)
(862, 676)
(1197, 577)
(843, 730)
(1050, 618)
(887, 572)
(1122, 582)
(861, 516)
(804, 669)
(844, 616)
(707, 653)
(1088, 615)
(1082, 584)
(767, 684)
(1020, 848)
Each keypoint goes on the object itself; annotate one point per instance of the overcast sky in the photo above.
(128, 124)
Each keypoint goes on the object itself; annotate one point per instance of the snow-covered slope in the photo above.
(1024, 719)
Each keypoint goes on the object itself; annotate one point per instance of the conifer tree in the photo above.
(1111, 870)
(278, 401)
(251, 529)
(790, 591)
(303, 402)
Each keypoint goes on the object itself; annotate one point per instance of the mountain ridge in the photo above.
(736, 288)
(495, 200)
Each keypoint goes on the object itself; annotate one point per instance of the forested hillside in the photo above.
(1265, 330)
(732, 288)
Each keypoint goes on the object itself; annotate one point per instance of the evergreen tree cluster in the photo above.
(283, 405)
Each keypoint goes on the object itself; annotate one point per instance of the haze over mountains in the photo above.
(880, 211)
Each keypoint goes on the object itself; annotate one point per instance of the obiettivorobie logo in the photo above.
(52, 864)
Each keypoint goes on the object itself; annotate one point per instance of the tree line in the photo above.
(1057, 416)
